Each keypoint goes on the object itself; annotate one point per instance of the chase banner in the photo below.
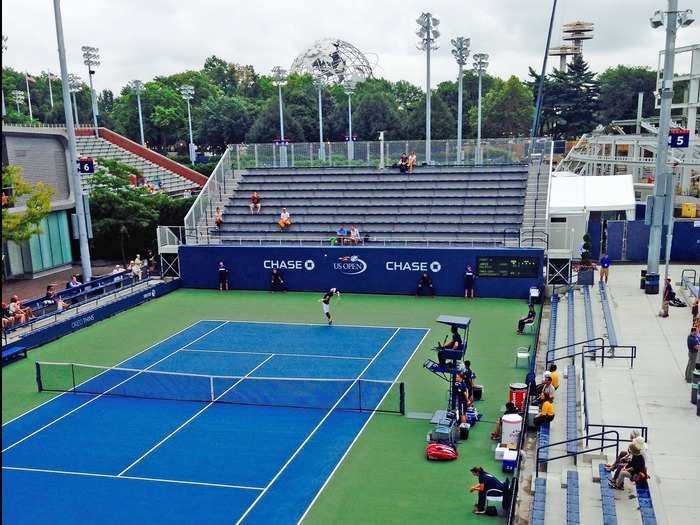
(365, 270)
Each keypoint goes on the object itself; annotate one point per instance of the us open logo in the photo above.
(350, 265)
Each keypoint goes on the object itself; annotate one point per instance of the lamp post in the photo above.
(460, 50)
(279, 78)
(187, 92)
(18, 97)
(428, 42)
(349, 87)
(48, 79)
(662, 203)
(75, 84)
(138, 88)
(319, 82)
(481, 62)
(4, 48)
(72, 149)
(91, 58)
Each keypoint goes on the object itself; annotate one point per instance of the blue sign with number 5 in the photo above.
(679, 138)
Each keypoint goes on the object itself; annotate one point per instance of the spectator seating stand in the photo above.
(608, 498)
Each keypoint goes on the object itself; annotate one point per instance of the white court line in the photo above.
(347, 451)
(311, 434)
(120, 363)
(320, 324)
(194, 416)
(112, 476)
(277, 354)
(50, 423)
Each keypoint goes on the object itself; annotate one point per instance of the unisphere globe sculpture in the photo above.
(333, 60)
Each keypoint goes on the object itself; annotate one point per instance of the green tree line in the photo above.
(233, 104)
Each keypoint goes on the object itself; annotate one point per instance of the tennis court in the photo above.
(222, 422)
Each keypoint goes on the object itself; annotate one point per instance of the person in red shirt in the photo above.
(254, 202)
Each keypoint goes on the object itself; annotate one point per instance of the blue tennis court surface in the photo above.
(258, 455)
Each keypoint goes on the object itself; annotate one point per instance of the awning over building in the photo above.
(575, 194)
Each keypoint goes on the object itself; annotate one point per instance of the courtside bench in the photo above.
(12, 353)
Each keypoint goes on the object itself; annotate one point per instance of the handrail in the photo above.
(578, 452)
(589, 349)
(643, 430)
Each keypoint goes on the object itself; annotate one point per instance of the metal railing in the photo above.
(221, 182)
(603, 446)
(384, 153)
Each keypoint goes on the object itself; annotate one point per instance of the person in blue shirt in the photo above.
(469, 278)
(486, 482)
(604, 267)
(693, 347)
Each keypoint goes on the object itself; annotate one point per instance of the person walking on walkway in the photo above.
(604, 268)
(693, 347)
(669, 294)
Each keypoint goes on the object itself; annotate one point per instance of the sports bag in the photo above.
(440, 452)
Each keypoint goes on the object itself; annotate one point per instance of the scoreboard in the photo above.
(504, 266)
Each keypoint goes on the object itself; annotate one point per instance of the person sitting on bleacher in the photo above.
(8, 320)
(16, 311)
(554, 375)
(74, 282)
(26, 310)
(635, 469)
(454, 345)
(510, 409)
(52, 298)
(528, 319)
(546, 414)
(403, 163)
(486, 482)
(545, 387)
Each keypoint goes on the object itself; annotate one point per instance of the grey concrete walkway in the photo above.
(656, 392)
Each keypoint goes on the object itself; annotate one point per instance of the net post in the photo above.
(402, 398)
(39, 385)
(72, 371)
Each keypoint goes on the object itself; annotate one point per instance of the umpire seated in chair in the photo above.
(452, 350)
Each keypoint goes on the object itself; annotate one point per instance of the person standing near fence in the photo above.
(223, 276)
(693, 347)
(604, 267)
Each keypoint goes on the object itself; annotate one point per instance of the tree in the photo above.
(619, 87)
(222, 121)
(36, 198)
(375, 112)
(265, 128)
(442, 123)
(448, 92)
(506, 110)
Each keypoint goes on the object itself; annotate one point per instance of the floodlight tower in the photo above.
(18, 97)
(481, 62)
(460, 50)
(75, 84)
(662, 201)
(428, 42)
(319, 82)
(137, 87)
(4, 48)
(91, 58)
(349, 88)
(187, 92)
(279, 78)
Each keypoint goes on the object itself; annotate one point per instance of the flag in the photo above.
(30, 78)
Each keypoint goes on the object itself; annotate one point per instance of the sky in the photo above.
(146, 38)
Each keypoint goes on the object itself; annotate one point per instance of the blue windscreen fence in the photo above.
(506, 273)
(629, 241)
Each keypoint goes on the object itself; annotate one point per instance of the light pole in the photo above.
(18, 97)
(72, 149)
(279, 78)
(662, 204)
(91, 58)
(4, 48)
(319, 82)
(187, 92)
(48, 79)
(138, 89)
(428, 42)
(75, 84)
(29, 97)
(481, 62)
(460, 50)
(349, 87)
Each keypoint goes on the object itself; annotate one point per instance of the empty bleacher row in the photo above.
(447, 203)
(168, 181)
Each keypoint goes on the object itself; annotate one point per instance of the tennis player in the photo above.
(326, 303)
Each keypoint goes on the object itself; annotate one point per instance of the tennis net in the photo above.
(317, 393)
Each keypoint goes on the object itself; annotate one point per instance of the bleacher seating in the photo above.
(570, 322)
(573, 513)
(608, 498)
(431, 203)
(552, 339)
(571, 413)
(543, 442)
(167, 180)
(607, 314)
(588, 309)
(646, 507)
(538, 502)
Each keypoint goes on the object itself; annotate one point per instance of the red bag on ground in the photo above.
(440, 452)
